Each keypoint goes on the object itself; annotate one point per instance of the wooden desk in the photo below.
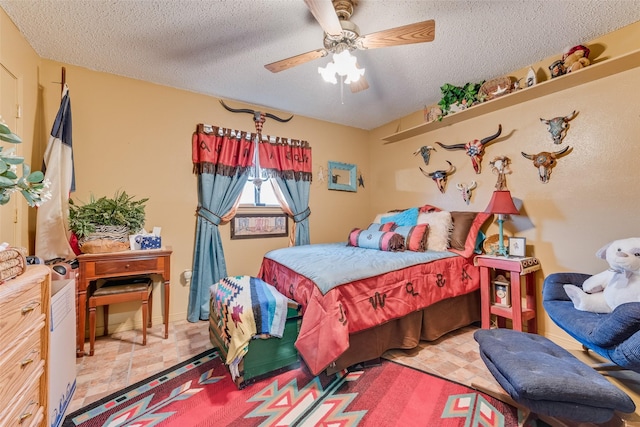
(517, 267)
(118, 264)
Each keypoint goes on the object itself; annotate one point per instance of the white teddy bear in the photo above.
(603, 292)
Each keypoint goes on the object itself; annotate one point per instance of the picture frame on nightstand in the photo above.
(517, 246)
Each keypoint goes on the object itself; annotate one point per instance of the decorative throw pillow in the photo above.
(473, 235)
(415, 238)
(381, 240)
(440, 226)
(461, 225)
(407, 217)
(387, 226)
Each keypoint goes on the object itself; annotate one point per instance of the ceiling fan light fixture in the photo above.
(344, 65)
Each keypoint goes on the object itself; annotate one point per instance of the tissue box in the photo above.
(149, 242)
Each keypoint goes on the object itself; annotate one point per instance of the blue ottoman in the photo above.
(547, 379)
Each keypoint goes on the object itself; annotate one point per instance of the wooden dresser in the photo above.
(24, 347)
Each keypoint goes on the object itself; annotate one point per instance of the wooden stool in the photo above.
(115, 291)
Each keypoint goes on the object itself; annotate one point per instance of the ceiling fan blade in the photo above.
(285, 64)
(325, 14)
(360, 85)
(413, 33)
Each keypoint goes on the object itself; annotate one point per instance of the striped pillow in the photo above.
(415, 238)
(380, 240)
(387, 226)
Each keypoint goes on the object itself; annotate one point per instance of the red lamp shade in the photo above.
(501, 203)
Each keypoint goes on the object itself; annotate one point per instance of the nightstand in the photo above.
(515, 268)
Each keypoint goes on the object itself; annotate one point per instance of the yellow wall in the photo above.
(136, 136)
(592, 197)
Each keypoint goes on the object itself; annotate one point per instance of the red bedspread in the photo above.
(329, 319)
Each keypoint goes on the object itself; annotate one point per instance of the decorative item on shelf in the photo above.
(545, 161)
(104, 225)
(575, 58)
(425, 152)
(557, 68)
(501, 204)
(432, 113)
(32, 185)
(558, 126)
(500, 165)
(495, 88)
(440, 176)
(474, 149)
(13, 262)
(466, 190)
(531, 78)
(457, 98)
(517, 246)
(501, 291)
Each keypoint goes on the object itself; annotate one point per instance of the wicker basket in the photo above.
(12, 263)
(106, 238)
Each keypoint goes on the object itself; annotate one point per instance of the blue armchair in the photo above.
(614, 336)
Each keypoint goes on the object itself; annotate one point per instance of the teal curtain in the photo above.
(289, 162)
(222, 159)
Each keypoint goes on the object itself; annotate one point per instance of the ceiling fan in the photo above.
(341, 34)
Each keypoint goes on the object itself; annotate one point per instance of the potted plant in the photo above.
(107, 218)
(455, 98)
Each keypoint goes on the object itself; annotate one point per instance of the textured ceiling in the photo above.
(219, 47)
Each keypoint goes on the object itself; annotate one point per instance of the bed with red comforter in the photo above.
(357, 302)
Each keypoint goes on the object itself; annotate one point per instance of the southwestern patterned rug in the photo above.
(199, 392)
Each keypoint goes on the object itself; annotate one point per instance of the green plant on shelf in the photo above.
(121, 210)
(460, 96)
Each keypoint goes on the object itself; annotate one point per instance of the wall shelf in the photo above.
(593, 72)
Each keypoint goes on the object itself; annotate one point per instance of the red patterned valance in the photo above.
(220, 150)
(287, 158)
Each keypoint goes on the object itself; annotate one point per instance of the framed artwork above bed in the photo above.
(256, 226)
(342, 176)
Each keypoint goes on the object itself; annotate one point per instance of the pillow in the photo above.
(381, 240)
(461, 225)
(388, 226)
(407, 217)
(473, 234)
(415, 238)
(440, 225)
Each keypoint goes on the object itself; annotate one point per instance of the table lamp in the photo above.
(501, 204)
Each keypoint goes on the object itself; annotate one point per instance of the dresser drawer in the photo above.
(19, 366)
(139, 266)
(20, 311)
(26, 409)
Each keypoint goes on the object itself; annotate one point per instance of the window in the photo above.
(254, 196)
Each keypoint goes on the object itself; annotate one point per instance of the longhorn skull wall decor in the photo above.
(425, 152)
(440, 176)
(466, 190)
(558, 126)
(258, 116)
(545, 161)
(500, 165)
(474, 149)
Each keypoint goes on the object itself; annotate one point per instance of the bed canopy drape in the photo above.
(223, 159)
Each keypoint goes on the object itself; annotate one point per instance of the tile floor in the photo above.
(120, 361)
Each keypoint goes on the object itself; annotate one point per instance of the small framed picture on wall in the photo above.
(517, 246)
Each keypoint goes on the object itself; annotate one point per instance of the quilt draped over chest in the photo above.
(246, 307)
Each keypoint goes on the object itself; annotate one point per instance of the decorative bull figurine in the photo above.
(425, 152)
(558, 126)
(545, 161)
(440, 176)
(474, 149)
(466, 190)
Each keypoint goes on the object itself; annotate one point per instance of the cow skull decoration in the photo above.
(425, 152)
(474, 149)
(466, 190)
(558, 126)
(440, 176)
(545, 161)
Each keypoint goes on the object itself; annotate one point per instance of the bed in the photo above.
(358, 302)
